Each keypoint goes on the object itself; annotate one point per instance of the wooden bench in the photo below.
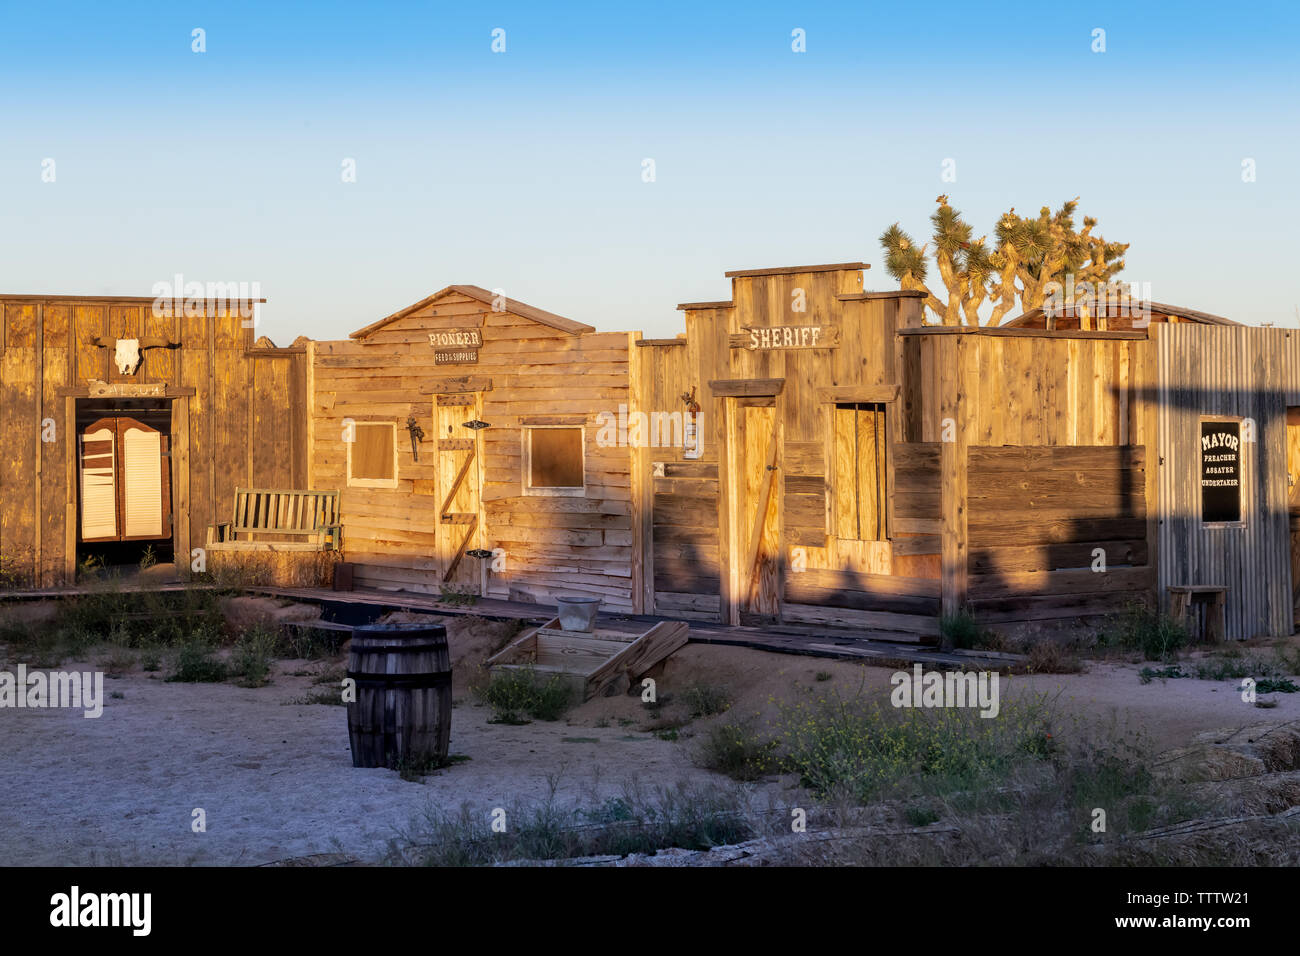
(287, 513)
(1201, 609)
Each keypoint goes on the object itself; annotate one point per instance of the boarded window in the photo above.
(860, 472)
(372, 461)
(555, 459)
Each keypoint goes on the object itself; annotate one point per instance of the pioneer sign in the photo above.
(784, 337)
(456, 339)
(1220, 471)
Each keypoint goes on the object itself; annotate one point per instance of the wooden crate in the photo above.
(594, 662)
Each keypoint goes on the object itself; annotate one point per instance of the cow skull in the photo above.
(127, 356)
(128, 353)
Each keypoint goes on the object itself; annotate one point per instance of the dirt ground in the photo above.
(275, 779)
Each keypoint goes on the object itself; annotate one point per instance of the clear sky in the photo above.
(523, 169)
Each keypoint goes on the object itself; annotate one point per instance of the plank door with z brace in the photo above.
(755, 440)
(458, 426)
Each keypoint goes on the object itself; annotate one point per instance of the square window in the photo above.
(372, 455)
(553, 461)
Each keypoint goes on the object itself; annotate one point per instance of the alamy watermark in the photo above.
(948, 689)
(62, 689)
(127, 910)
(676, 429)
(175, 296)
(1086, 300)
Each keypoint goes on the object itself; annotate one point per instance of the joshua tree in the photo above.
(1027, 255)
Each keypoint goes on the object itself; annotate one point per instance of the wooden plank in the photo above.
(1052, 607)
(1046, 557)
(764, 497)
(457, 481)
(953, 528)
(747, 387)
(868, 394)
(988, 532)
(1083, 581)
(903, 627)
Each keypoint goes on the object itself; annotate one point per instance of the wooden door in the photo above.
(124, 481)
(459, 429)
(1293, 503)
(754, 454)
(99, 482)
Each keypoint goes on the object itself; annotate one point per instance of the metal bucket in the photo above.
(578, 613)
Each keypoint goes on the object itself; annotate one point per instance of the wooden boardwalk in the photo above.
(354, 607)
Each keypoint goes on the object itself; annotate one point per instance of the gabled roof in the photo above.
(1035, 318)
(522, 309)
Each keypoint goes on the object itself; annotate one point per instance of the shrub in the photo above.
(517, 695)
(456, 596)
(1233, 665)
(327, 697)
(706, 700)
(959, 630)
(849, 747)
(253, 654)
(1277, 685)
(1158, 637)
(196, 663)
(1052, 657)
(691, 818)
(920, 816)
(738, 751)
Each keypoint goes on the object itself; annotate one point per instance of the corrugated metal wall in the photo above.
(1233, 372)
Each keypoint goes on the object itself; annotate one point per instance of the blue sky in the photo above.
(522, 170)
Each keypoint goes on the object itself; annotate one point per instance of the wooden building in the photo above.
(126, 426)
(804, 452)
(1122, 313)
(868, 470)
(1228, 448)
(465, 435)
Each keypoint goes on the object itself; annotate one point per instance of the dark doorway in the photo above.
(124, 483)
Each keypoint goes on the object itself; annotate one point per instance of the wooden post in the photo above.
(729, 489)
(181, 532)
(642, 495)
(311, 415)
(1145, 381)
(953, 528)
(38, 512)
(954, 398)
(70, 502)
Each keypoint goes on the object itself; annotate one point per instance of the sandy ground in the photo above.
(276, 781)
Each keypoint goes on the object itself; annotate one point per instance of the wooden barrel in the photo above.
(402, 711)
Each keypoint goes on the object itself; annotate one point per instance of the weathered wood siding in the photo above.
(691, 514)
(1038, 520)
(241, 426)
(1236, 373)
(552, 545)
(1023, 387)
